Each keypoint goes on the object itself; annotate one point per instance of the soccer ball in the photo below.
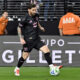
(55, 71)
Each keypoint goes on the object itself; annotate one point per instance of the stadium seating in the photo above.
(18, 8)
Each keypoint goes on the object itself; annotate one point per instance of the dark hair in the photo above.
(69, 8)
(31, 6)
(4, 11)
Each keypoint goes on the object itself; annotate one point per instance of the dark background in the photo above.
(51, 27)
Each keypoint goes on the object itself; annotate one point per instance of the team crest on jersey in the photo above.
(30, 21)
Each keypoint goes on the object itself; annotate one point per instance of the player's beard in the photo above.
(33, 14)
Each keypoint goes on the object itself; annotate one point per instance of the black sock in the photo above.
(48, 58)
(20, 62)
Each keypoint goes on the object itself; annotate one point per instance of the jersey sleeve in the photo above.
(37, 16)
(23, 21)
(60, 24)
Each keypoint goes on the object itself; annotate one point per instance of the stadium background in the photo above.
(18, 8)
(66, 48)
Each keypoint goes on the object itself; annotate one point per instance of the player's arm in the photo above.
(6, 32)
(61, 32)
(19, 29)
(20, 35)
(40, 27)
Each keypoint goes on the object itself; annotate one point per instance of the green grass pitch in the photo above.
(39, 73)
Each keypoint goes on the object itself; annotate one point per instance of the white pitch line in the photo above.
(73, 42)
(11, 43)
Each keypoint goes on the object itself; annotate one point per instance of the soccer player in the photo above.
(30, 39)
(70, 23)
(3, 23)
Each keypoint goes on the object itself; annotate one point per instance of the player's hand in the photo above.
(42, 29)
(22, 41)
(6, 32)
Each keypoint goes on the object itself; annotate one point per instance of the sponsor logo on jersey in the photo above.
(35, 24)
(30, 21)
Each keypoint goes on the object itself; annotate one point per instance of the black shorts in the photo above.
(37, 44)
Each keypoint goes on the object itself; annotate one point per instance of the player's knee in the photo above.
(24, 58)
(46, 50)
(25, 55)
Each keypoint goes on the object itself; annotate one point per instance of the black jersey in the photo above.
(29, 27)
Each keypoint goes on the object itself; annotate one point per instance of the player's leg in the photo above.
(25, 53)
(22, 59)
(47, 56)
(46, 52)
(41, 46)
(20, 62)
